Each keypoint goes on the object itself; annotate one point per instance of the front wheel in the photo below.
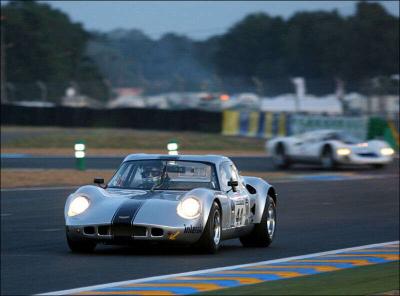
(263, 233)
(81, 246)
(327, 159)
(280, 159)
(210, 240)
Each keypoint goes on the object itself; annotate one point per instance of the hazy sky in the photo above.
(197, 19)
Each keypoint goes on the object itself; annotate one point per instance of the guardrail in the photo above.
(182, 120)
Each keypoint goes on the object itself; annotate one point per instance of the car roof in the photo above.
(216, 159)
(320, 132)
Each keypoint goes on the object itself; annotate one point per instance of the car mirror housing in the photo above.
(98, 181)
(233, 184)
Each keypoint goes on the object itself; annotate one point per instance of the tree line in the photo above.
(260, 53)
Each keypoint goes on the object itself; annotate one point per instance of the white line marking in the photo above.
(162, 277)
(37, 188)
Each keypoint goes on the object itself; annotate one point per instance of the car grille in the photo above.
(122, 231)
(128, 231)
(368, 154)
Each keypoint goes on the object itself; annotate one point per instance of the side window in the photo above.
(228, 172)
(226, 175)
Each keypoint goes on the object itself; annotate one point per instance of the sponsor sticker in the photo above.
(193, 229)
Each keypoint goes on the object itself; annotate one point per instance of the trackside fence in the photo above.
(153, 119)
(229, 122)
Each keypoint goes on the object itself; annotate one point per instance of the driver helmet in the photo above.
(151, 173)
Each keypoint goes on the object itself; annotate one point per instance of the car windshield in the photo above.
(164, 175)
(342, 136)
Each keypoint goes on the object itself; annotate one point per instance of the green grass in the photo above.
(123, 138)
(366, 280)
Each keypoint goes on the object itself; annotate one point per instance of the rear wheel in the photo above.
(210, 240)
(281, 160)
(263, 233)
(81, 246)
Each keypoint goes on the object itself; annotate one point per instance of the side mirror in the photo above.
(233, 184)
(98, 181)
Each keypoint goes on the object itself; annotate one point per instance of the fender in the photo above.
(207, 198)
(263, 188)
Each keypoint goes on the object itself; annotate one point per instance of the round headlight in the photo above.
(189, 208)
(78, 206)
(343, 151)
(387, 151)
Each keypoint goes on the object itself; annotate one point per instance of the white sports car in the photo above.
(328, 148)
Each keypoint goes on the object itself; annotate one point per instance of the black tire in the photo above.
(281, 160)
(260, 236)
(206, 242)
(327, 160)
(81, 246)
(378, 166)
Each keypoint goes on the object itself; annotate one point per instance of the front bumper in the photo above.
(106, 233)
(355, 158)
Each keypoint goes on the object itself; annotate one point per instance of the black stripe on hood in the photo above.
(121, 224)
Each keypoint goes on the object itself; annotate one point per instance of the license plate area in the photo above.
(122, 231)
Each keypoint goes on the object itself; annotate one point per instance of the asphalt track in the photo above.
(314, 216)
(39, 162)
(244, 163)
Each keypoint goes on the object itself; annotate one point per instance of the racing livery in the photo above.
(329, 148)
(188, 199)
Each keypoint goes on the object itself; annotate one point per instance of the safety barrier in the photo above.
(385, 129)
(268, 124)
(179, 120)
(255, 124)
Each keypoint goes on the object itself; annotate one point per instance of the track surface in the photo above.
(313, 216)
(244, 163)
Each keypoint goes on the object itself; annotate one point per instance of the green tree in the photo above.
(253, 47)
(44, 45)
(372, 42)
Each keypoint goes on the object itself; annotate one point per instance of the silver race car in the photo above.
(188, 199)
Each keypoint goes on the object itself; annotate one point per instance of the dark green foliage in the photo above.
(44, 45)
(320, 46)
(260, 53)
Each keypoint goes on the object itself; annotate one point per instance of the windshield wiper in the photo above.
(162, 179)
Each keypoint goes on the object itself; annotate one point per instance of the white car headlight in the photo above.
(78, 206)
(189, 208)
(343, 151)
(387, 151)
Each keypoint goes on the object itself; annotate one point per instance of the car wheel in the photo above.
(263, 233)
(280, 159)
(327, 160)
(81, 246)
(378, 166)
(210, 240)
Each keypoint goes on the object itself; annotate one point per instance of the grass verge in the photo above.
(123, 138)
(28, 178)
(367, 280)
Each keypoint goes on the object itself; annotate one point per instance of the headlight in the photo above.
(78, 206)
(189, 208)
(387, 151)
(343, 151)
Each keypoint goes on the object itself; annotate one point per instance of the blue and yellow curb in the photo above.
(247, 274)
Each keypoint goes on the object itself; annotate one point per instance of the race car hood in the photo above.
(144, 195)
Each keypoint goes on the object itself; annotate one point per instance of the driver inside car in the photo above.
(151, 174)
